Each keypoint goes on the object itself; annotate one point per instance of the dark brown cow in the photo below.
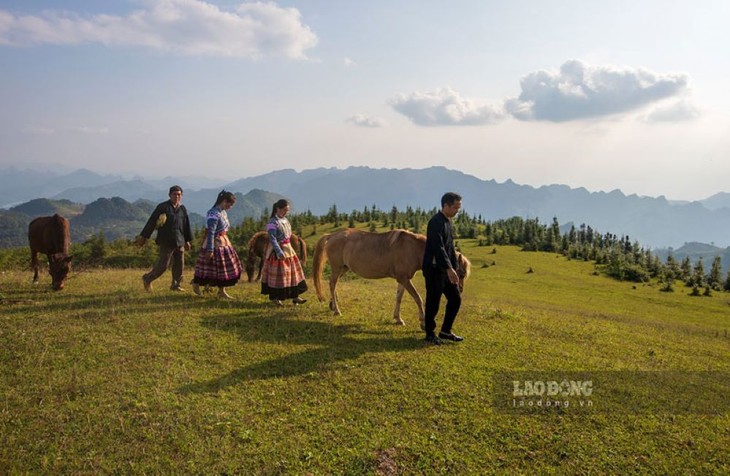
(257, 246)
(50, 235)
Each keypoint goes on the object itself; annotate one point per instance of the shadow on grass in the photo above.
(329, 343)
(36, 300)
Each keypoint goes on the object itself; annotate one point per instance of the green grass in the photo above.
(105, 378)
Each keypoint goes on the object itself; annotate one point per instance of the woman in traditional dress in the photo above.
(218, 263)
(282, 276)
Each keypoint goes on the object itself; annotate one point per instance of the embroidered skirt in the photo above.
(223, 270)
(282, 278)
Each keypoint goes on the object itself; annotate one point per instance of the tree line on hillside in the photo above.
(617, 256)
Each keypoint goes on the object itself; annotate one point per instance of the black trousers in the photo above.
(176, 254)
(437, 284)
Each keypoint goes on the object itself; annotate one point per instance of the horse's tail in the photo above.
(464, 265)
(302, 249)
(320, 256)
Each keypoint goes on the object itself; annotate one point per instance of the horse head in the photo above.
(463, 271)
(60, 265)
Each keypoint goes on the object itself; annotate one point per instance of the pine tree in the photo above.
(332, 215)
(715, 278)
(698, 274)
(685, 270)
(572, 235)
(553, 238)
(672, 267)
(98, 248)
(366, 214)
(668, 282)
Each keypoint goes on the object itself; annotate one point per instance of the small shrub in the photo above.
(667, 288)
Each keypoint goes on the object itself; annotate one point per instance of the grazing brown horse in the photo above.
(257, 247)
(395, 254)
(50, 235)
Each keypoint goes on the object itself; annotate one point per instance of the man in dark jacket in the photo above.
(174, 235)
(439, 270)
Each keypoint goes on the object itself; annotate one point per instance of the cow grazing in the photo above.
(50, 235)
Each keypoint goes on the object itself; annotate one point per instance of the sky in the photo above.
(630, 95)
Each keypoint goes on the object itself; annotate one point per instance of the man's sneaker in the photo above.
(196, 289)
(298, 300)
(177, 288)
(434, 340)
(147, 285)
(450, 336)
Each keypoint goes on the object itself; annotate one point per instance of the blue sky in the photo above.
(603, 95)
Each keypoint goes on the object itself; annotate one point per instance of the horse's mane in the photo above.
(252, 241)
(395, 235)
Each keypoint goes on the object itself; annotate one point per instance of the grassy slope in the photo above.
(103, 377)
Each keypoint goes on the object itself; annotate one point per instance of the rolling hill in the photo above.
(105, 377)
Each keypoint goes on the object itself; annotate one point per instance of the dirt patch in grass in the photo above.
(385, 462)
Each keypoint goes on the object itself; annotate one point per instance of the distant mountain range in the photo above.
(654, 222)
(697, 251)
(115, 217)
(84, 186)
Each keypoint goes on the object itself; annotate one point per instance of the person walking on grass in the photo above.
(174, 235)
(439, 271)
(218, 263)
(282, 276)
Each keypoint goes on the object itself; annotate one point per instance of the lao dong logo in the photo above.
(551, 388)
(551, 393)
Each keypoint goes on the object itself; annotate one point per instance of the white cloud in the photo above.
(349, 62)
(92, 130)
(366, 121)
(41, 131)
(582, 91)
(444, 107)
(678, 111)
(190, 27)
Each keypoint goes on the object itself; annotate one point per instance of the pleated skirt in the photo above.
(223, 270)
(283, 278)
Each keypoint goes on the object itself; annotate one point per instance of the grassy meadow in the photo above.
(103, 377)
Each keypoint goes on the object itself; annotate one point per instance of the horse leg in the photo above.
(398, 299)
(408, 285)
(261, 267)
(34, 265)
(334, 276)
